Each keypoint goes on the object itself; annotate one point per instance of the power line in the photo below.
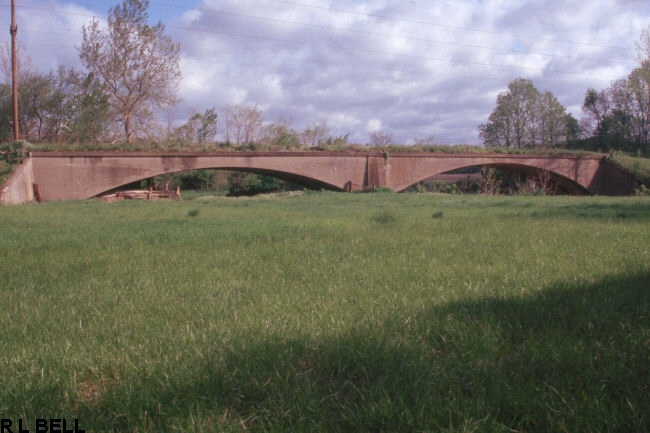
(446, 26)
(350, 48)
(370, 51)
(385, 17)
(386, 35)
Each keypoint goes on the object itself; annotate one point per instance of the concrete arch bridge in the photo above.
(85, 174)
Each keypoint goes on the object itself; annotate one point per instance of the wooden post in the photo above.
(14, 69)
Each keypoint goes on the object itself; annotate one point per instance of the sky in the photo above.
(412, 68)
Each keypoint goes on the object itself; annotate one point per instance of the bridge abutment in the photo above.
(19, 188)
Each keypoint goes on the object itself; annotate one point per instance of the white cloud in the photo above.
(413, 68)
(373, 125)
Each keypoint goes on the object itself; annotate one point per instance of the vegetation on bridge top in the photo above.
(639, 167)
(167, 146)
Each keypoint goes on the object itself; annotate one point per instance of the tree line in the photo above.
(526, 118)
(615, 118)
(131, 73)
(618, 117)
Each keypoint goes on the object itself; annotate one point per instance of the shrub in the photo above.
(385, 217)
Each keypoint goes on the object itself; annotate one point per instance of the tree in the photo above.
(639, 87)
(199, 129)
(207, 130)
(6, 112)
(552, 121)
(597, 107)
(524, 117)
(619, 116)
(280, 135)
(242, 123)
(137, 63)
(34, 98)
(91, 108)
(429, 140)
(509, 123)
(381, 138)
(60, 104)
(314, 134)
(24, 62)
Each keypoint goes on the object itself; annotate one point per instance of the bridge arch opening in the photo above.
(224, 179)
(508, 178)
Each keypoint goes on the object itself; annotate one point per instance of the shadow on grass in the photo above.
(633, 210)
(630, 210)
(571, 358)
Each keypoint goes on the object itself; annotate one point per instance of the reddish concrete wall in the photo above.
(80, 175)
(611, 179)
(19, 187)
(404, 170)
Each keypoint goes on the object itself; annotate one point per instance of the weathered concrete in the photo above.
(80, 175)
(19, 188)
(593, 174)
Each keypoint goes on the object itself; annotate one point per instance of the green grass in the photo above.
(5, 171)
(329, 312)
(638, 166)
(342, 147)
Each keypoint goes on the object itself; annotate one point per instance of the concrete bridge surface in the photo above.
(85, 174)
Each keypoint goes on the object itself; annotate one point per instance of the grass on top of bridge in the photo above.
(639, 167)
(227, 147)
(328, 312)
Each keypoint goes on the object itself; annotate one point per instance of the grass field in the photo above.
(329, 312)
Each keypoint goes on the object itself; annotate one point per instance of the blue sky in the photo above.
(165, 11)
(414, 68)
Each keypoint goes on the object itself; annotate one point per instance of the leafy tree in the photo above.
(77, 107)
(6, 112)
(572, 127)
(61, 102)
(597, 107)
(137, 63)
(33, 100)
(207, 130)
(619, 117)
(199, 129)
(280, 135)
(638, 83)
(524, 117)
(510, 121)
(91, 108)
(335, 143)
(552, 121)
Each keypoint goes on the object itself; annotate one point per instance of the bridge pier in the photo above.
(376, 174)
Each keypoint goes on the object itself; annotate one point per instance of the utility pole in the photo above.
(14, 68)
